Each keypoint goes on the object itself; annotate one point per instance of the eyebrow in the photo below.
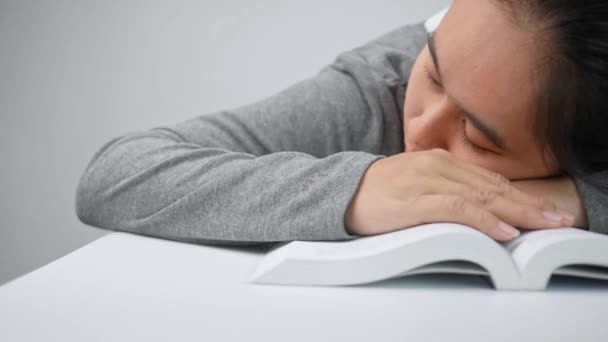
(488, 131)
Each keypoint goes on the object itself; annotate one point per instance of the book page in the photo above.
(566, 250)
(384, 256)
(531, 243)
(373, 244)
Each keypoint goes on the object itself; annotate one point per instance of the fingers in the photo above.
(491, 181)
(458, 209)
(506, 209)
(447, 189)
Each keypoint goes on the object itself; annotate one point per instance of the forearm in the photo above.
(152, 183)
(562, 191)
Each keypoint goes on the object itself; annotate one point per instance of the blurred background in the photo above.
(74, 74)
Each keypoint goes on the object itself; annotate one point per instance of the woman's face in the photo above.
(482, 74)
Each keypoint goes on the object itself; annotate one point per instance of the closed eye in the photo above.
(467, 142)
(463, 133)
(431, 78)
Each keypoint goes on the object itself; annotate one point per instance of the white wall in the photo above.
(74, 74)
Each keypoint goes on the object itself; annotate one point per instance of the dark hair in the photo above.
(571, 125)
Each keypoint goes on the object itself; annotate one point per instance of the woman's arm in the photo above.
(562, 192)
(281, 169)
(587, 202)
(595, 202)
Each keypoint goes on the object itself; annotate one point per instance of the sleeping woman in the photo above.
(493, 120)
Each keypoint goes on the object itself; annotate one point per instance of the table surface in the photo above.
(125, 287)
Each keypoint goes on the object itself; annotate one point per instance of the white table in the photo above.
(125, 287)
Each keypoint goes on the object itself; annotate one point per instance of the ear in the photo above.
(432, 22)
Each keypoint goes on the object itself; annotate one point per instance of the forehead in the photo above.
(488, 64)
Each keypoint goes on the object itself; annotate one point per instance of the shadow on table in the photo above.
(557, 283)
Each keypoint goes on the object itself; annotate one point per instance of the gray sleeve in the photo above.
(281, 169)
(595, 201)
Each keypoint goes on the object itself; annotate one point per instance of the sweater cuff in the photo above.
(596, 204)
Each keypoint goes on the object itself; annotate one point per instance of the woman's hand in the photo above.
(413, 188)
(561, 191)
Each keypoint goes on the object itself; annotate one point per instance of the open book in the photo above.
(525, 263)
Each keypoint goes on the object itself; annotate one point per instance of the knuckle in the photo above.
(500, 181)
(484, 197)
(456, 204)
(541, 202)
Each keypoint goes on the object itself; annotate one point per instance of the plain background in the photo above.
(74, 74)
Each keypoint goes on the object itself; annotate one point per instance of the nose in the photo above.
(431, 129)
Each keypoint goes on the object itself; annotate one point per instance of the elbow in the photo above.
(119, 189)
(95, 208)
(91, 203)
(88, 203)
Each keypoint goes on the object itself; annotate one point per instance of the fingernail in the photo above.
(557, 215)
(507, 230)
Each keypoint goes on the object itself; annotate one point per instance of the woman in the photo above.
(493, 121)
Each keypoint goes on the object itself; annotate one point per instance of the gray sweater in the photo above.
(284, 168)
